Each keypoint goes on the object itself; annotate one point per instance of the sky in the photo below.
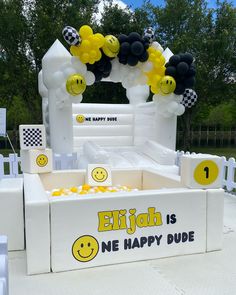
(138, 3)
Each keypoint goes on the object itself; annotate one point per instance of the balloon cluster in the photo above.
(133, 48)
(132, 60)
(158, 69)
(181, 68)
(88, 50)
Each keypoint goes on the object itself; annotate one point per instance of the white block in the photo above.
(87, 232)
(11, 212)
(215, 212)
(99, 175)
(201, 171)
(37, 227)
(32, 137)
(36, 161)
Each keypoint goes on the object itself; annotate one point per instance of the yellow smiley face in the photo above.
(111, 46)
(99, 174)
(167, 85)
(80, 118)
(85, 248)
(75, 84)
(42, 160)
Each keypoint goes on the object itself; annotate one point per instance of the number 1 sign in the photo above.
(201, 171)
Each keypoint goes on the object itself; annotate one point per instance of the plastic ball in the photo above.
(137, 48)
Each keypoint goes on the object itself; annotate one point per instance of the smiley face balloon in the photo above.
(111, 46)
(75, 84)
(167, 85)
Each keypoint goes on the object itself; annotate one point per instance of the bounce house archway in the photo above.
(135, 61)
(67, 134)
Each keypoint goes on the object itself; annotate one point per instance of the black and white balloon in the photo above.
(71, 36)
(189, 98)
(149, 34)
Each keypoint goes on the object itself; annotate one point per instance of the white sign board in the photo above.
(2, 122)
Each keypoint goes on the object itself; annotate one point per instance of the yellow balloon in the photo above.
(75, 84)
(167, 85)
(111, 46)
(85, 31)
(84, 57)
(99, 55)
(74, 50)
(100, 39)
(93, 53)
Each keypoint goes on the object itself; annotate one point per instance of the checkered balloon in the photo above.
(71, 36)
(189, 98)
(149, 34)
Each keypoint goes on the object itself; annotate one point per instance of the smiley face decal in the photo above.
(99, 174)
(42, 160)
(111, 46)
(85, 248)
(80, 118)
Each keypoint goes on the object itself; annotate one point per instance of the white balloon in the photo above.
(157, 46)
(172, 107)
(57, 79)
(90, 78)
(147, 66)
(68, 72)
(180, 110)
(65, 66)
(76, 99)
(78, 65)
(115, 76)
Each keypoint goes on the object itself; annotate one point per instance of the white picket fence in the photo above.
(69, 161)
(4, 282)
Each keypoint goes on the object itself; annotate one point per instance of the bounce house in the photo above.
(127, 200)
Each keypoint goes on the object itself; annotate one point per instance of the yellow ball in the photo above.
(74, 189)
(56, 193)
(86, 187)
(75, 84)
(85, 31)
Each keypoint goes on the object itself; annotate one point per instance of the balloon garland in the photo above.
(132, 60)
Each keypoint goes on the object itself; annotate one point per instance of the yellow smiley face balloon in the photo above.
(75, 84)
(99, 174)
(167, 85)
(111, 46)
(85, 248)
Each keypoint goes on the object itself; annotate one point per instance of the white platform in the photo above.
(211, 273)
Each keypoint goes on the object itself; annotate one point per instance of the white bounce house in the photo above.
(160, 214)
(133, 135)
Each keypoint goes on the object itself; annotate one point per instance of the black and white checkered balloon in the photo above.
(189, 98)
(149, 34)
(71, 36)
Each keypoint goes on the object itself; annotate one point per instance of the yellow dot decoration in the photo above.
(206, 172)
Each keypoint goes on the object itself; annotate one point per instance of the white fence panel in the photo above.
(13, 161)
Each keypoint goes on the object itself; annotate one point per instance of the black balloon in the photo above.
(124, 48)
(137, 48)
(182, 68)
(132, 60)
(174, 60)
(101, 68)
(133, 48)
(134, 37)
